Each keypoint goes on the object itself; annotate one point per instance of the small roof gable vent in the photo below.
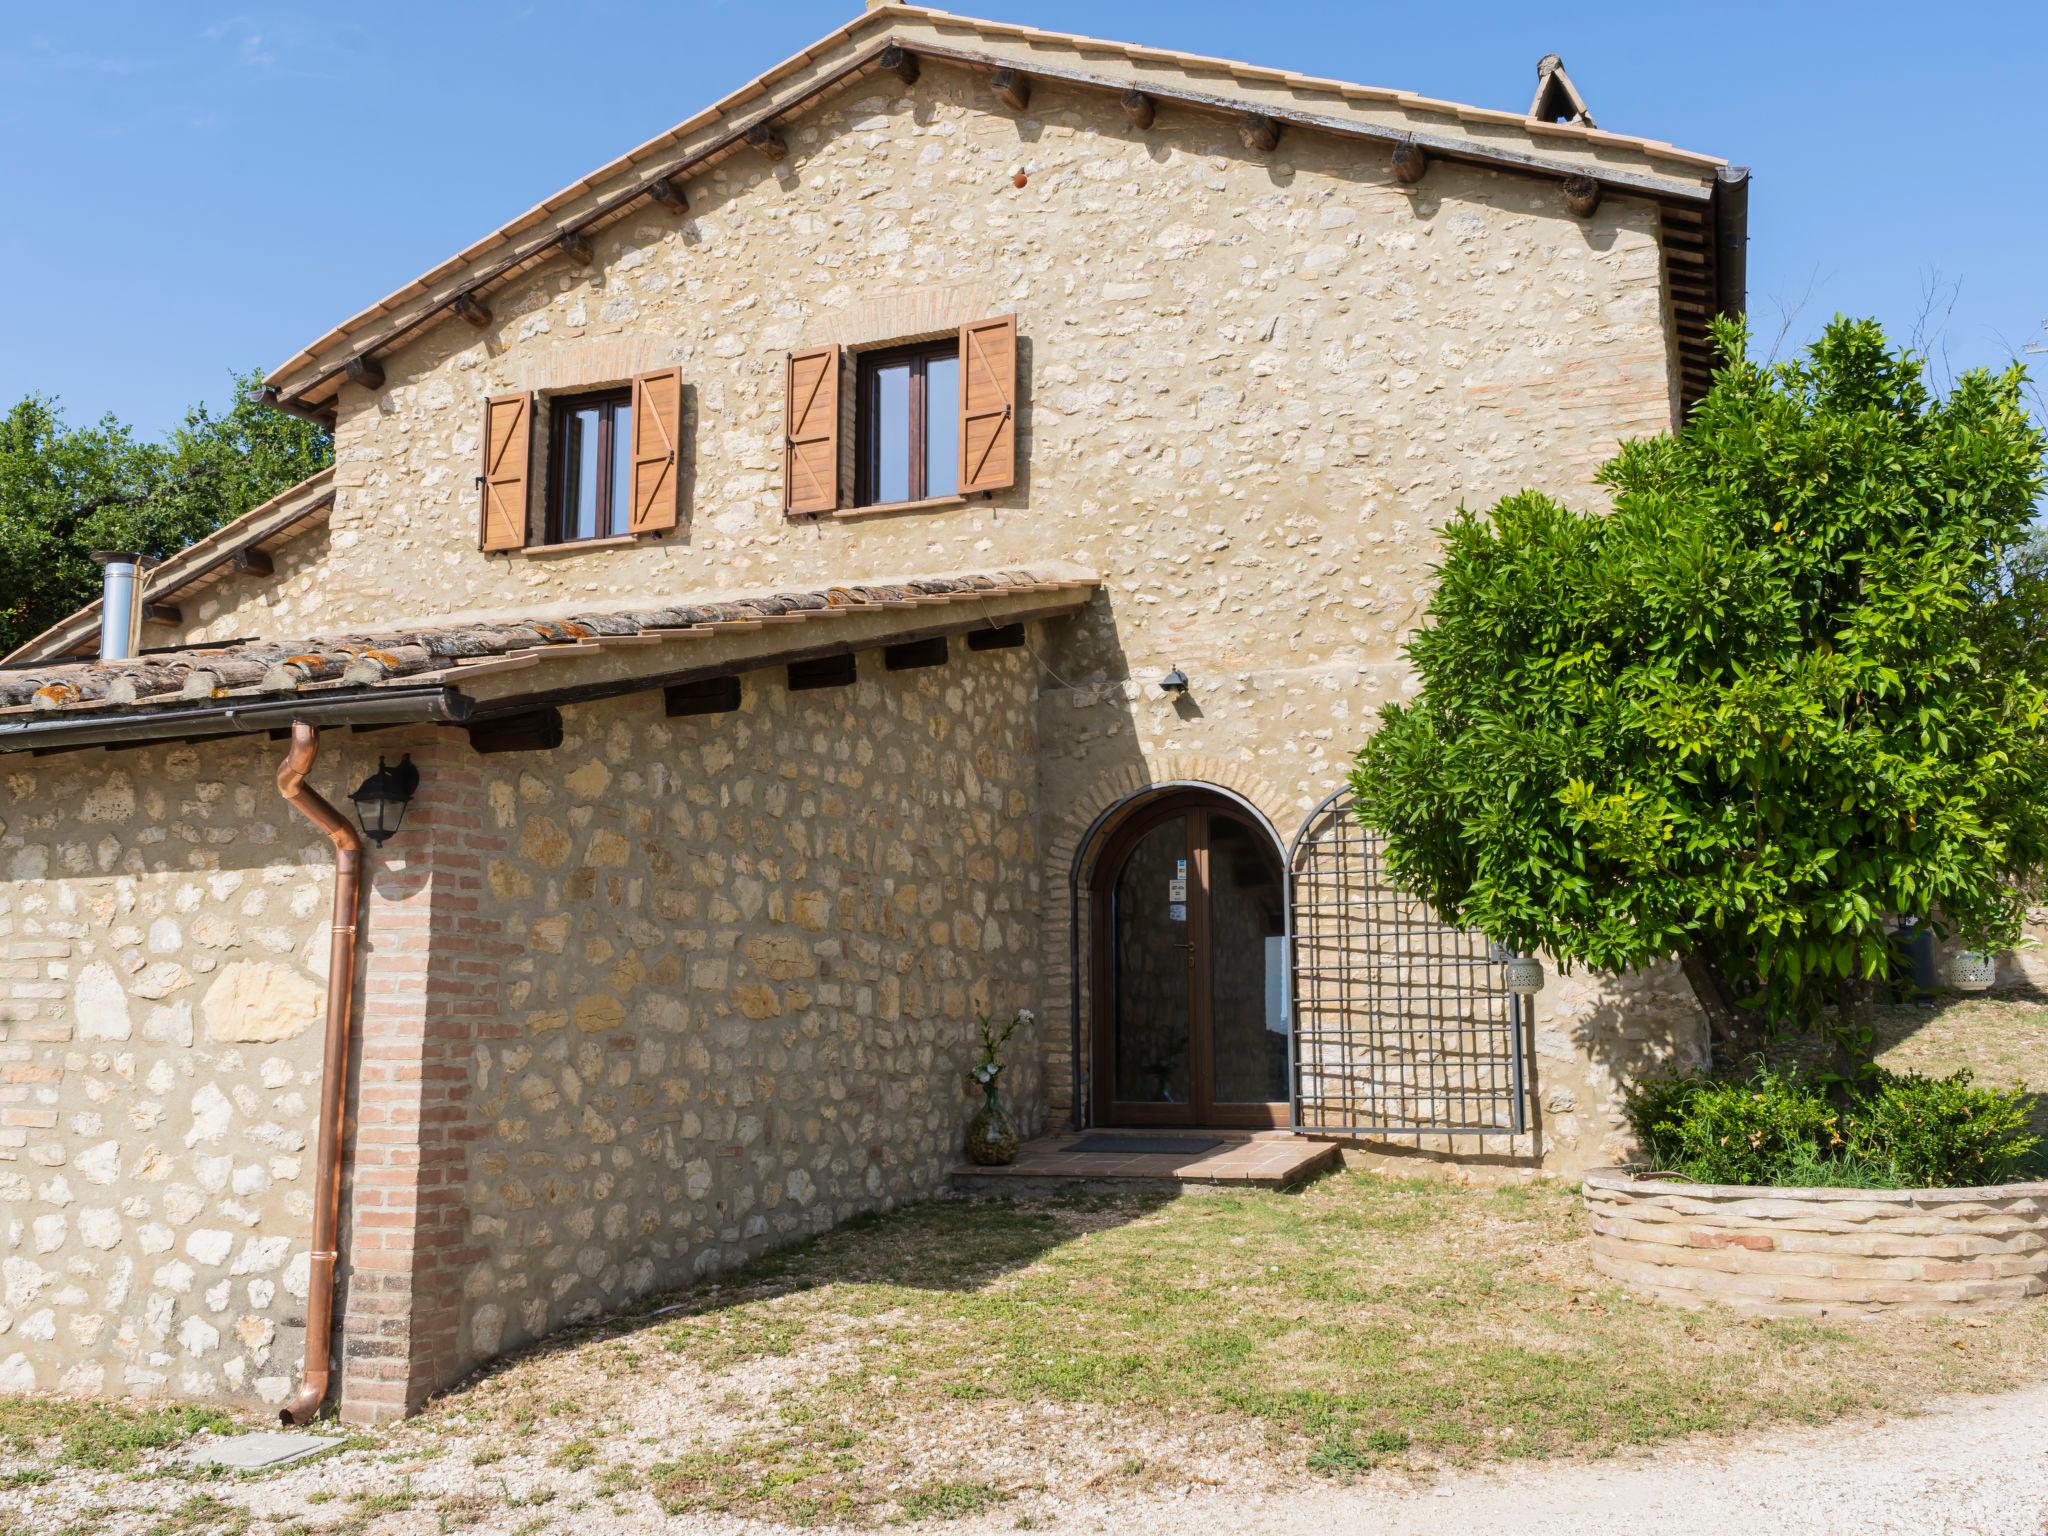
(1557, 99)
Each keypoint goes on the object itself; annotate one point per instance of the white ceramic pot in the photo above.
(1972, 970)
(1523, 974)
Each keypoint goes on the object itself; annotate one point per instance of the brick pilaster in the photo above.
(427, 984)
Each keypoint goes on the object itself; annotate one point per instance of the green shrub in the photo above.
(1892, 1131)
(1733, 1132)
(1942, 1131)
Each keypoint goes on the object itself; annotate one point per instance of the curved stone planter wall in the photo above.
(1821, 1252)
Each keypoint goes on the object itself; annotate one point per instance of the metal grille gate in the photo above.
(1402, 1025)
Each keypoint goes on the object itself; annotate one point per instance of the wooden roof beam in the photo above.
(1012, 88)
(1259, 132)
(668, 191)
(1411, 163)
(900, 62)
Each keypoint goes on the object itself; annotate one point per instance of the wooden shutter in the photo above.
(810, 455)
(508, 450)
(657, 451)
(988, 404)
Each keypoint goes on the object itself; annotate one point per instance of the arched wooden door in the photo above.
(1190, 969)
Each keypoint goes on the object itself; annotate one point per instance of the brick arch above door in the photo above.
(1082, 824)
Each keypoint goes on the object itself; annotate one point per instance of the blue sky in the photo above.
(186, 190)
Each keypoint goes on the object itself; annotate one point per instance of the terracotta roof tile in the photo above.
(374, 658)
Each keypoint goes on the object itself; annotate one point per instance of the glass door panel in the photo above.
(1247, 965)
(1151, 1016)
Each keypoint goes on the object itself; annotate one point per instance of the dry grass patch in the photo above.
(912, 1364)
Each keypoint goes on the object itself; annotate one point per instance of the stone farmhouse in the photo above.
(923, 536)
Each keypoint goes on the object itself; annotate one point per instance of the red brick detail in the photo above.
(427, 991)
(1755, 1242)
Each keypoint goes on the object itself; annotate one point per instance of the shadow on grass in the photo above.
(959, 1246)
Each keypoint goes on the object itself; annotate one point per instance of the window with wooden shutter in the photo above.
(810, 457)
(508, 453)
(988, 404)
(657, 451)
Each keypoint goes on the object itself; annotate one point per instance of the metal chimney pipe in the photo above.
(120, 604)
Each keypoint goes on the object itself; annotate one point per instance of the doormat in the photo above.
(1102, 1141)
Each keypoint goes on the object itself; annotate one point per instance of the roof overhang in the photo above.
(481, 671)
(1678, 180)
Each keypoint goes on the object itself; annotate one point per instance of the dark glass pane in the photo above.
(1248, 965)
(579, 451)
(1152, 987)
(892, 433)
(942, 426)
(621, 510)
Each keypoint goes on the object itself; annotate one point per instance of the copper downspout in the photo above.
(341, 989)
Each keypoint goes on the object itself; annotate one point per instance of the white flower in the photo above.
(1026, 1017)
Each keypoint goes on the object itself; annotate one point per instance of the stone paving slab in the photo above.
(1257, 1160)
(254, 1453)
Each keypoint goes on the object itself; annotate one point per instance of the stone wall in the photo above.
(163, 930)
(1821, 1252)
(2026, 968)
(630, 1012)
(727, 972)
(1252, 386)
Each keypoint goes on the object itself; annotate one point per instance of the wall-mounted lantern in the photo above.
(1523, 975)
(381, 799)
(1174, 684)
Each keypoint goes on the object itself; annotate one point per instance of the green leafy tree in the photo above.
(1793, 685)
(67, 490)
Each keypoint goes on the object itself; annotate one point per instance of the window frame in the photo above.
(867, 435)
(555, 530)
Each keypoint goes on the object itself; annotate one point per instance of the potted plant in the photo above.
(992, 1134)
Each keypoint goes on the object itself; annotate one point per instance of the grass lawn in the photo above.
(2002, 1040)
(1014, 1358)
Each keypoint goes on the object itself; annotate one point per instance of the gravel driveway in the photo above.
(1975, 1466)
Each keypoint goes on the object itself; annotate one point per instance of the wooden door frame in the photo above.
(1200, 1110)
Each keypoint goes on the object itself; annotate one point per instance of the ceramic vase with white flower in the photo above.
(992, 1135)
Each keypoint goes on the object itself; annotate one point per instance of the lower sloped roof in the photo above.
(255, 684)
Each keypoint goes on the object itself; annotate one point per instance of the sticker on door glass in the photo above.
(1177, 912)
(1177, 889)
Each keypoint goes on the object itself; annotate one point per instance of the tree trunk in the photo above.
(1855, 1016)
(1732, 1032)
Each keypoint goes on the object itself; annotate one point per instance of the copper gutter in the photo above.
(341, 989)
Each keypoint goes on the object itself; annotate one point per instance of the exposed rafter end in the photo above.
(473, 309)
(668, 192)
(365, 372)
(768, 141)
(532, 730)
(162, 613)
(1411, 163)
(267, 396)
(1139, 108)
(1581, 195)
(900, 62)
(576, 246)
(1012, 88)
(253, 562)
(1259, 132)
